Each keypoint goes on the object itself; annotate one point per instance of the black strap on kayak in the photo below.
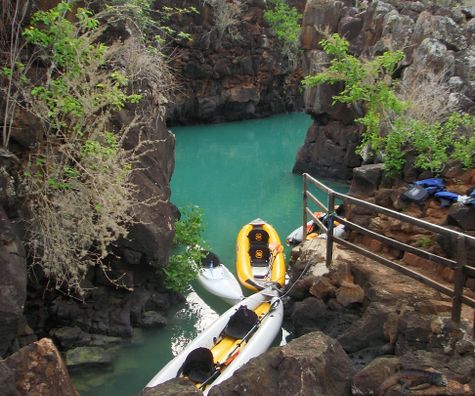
(232, 354)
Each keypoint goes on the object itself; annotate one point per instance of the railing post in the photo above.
(304, 204)
(329, 219)
(459, 278)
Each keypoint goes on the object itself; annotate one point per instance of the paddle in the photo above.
(235, 351)
(275, 249)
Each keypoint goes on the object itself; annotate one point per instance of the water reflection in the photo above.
(195, 308)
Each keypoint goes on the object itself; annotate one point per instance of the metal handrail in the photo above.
(462, 270)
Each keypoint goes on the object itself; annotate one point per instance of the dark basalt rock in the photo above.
(231, 76)
(434, 39)
(462, 216)
(12, 283)
(152, 319)
(366, 179)
(87, 357)
(313, 364)
(329, 151)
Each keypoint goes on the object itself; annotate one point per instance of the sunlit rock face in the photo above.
(36, 370)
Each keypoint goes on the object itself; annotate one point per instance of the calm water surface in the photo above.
(235, 172)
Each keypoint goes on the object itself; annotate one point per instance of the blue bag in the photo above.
(431, 185)
(446, 198)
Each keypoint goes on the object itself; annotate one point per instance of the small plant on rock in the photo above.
(183, 266)
(285, 22)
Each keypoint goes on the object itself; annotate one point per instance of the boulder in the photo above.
(366, 179)
(368, 331)
(329, 151)
(373, 23)
(322, 288)
(349, 293)
(350, 27)
(314, 364)
(431, 55)
(368, 380)
(7, 379)
(69, 337)
(176, 386)
(462, 216)
(108, 313)
(152, 319)
(340, 273)
(441, 28)
(465, 66)
(87, 357)
(309, 315)
(398, 31)
(39, 371)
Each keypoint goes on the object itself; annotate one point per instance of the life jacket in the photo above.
(431, 185)
(446, 198)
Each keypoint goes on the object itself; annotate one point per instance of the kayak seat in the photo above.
(258, 236)
(210, 260)
(198, 365)
(260, 271)
(241, 322)
(259, 255)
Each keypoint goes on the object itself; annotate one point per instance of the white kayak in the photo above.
(221, 282)
(241, 333)
(295, 237)
(218, 280)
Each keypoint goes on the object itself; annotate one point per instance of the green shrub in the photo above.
(284, 21)
(389, 131)
(152, 23)
(183, 266)
(77, 182)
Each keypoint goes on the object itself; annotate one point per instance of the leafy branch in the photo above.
(389, 129)
(183, 266)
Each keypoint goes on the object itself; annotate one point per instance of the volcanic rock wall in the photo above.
(136, 261)
(231, 75)
(438, 40)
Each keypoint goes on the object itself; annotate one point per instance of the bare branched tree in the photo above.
(13, 14)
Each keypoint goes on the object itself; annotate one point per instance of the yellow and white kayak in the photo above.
(241, 333)
(260, 259)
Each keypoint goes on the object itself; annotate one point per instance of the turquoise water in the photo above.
(235, 172)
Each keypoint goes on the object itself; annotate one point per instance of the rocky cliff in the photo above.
(437, 41)
(232, 68)
(135, 297)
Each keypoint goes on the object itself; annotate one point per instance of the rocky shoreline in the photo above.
(355, 325)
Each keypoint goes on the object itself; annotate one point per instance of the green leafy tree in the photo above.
(388, 130)
(183, 266)
(151, 22)
(284, 20)
(368, 82)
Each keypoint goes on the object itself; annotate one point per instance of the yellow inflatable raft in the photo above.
(259, 258)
